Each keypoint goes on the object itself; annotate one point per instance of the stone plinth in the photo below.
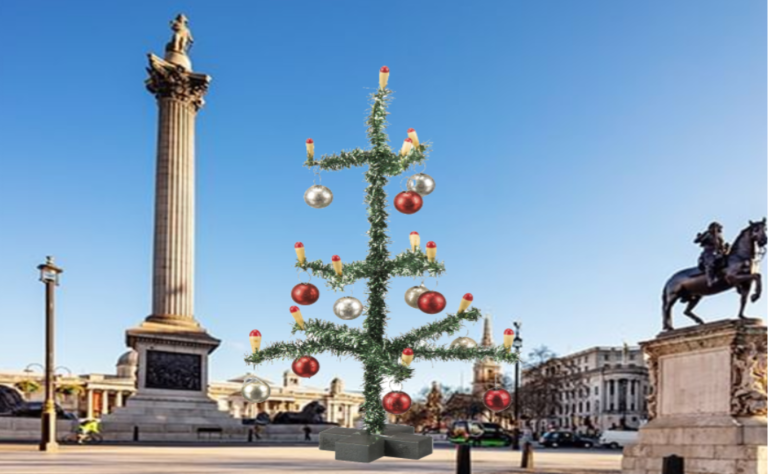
(708, 400)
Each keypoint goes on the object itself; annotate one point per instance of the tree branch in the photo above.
(336, 162)
(351, 272)
(449, 324)
(399, 164)
(414, 264)
(322, 336)
(497, 353)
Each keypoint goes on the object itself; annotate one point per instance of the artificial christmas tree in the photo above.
(381, 356)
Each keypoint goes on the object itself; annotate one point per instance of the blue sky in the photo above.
(578, 148)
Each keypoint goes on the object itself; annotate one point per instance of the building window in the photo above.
(597, 390)
(606, 357)
(587, 407)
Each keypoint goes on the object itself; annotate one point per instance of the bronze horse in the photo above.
(739, 270)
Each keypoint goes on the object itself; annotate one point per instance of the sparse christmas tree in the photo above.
(382, 357)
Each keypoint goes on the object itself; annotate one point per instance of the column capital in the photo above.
(168, 80)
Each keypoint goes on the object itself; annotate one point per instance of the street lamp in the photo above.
(49, 275)
(517, 344)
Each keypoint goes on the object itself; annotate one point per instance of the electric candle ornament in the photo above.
(415, 241)
(336, 260)
(383, 77)
(509, 338)
(414, 138)
(299, 247)
(431, 251)
(305, 366)
(296, 313)
(466, 300)
(407, 147)
(407, 356)
(310, 148)
(255, 339)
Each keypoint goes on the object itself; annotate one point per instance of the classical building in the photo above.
(598, 388)
(94, 395)
(486, 371)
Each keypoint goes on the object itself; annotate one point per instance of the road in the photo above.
(25, 459)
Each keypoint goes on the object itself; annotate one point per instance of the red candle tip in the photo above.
(411, 130)
(335, 258)
(431, 245)
(298, 245)
(414, 233)
(509, 332)
(309, 140)
(469, 297)
(408, 140)
(384, 69)
(255, 333)
(408, 351)
(294, 309)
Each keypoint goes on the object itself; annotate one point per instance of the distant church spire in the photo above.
(487, 333)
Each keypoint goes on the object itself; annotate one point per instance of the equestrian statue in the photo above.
(721, 267)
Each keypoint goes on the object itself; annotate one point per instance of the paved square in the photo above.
(25, 459)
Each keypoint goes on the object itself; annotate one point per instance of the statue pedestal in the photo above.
(708, 400)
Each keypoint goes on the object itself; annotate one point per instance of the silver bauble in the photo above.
(348, 307)
(421, 183)
(318, 196)
(256, 390)
(463, 343)
(412, 295)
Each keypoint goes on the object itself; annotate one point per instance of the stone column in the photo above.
(179, 96)
(104, 402)
(118, 399)
(89, 411)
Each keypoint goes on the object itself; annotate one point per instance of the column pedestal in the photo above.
(708, 400)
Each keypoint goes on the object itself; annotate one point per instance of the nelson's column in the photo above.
(171, 401)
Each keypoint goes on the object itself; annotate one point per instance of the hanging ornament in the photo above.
(348, 308)
(255, 390)
(509, 337)
(431, 302)
(299, 247)
(407, 356)
(336, 264)
(305, 293)
(413, 293)
(431, 251)
(466, 300)
(463, 343)
(408, 202)
(497, 399)
(396, 403)
(415, 138)
(310, 148)
(296, 313)
(421, 183)
(407, 147)
(415, 241)
(255, 338)
(318, 196)
(383, 77)
(305, 366)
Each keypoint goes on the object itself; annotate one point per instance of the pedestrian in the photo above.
(307, 431)
(257, 431)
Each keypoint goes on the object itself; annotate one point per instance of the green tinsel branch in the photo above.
(414, 264)
(400, 164)
(336, 162)
(351, 272)
(432, 331)
(498, 354)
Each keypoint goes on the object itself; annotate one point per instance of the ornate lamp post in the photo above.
(517, 344)
(49, 275)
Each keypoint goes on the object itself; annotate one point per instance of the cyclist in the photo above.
(87, 428)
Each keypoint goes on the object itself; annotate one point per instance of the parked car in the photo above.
(478, 434)
(616, 439)
(562, 439)
(35, 410)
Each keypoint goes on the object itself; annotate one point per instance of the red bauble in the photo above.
(431, 302)
(305, 366)
(408, 202)
(497, 399)
(396, 403)
(305, 293)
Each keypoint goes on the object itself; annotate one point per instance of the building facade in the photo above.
(599, 388)
(93, 395)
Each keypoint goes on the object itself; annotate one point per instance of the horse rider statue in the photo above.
(720, 268)
(715, 250)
